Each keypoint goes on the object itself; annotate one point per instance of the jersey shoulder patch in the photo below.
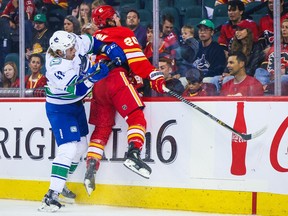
(55, 61)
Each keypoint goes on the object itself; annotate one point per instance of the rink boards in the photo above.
(190, 155)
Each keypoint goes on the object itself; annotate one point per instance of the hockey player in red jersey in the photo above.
(116, 93)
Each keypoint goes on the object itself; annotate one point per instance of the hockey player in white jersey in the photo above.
(70, 78)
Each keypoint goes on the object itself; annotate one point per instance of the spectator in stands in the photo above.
(71, 24)
(241, 84)
(218, 2)
(210, 59)
(40, 41)
(84, 16)
(133, 23)
(169, 36)
(235, 13)
(12, 9)
(195, 86)
(148, 51)
(36, 79)
(10, 78)
(52, 4)
(267, 67)
(9, 37)
(189, 47)
(97, 3)
(244, 41)
(266, 29)
(174, 84)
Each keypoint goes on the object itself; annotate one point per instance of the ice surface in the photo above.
(29, 208)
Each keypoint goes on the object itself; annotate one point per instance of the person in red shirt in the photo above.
(169, 36)
(266, 29)
(36, 79)
(13, 5)
(148, 51)
(116, 93)
(235, 13)
(242, 84)
(195, 86)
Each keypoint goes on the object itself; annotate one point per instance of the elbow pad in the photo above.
(97, 46)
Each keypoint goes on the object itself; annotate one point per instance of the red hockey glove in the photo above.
(157, 81)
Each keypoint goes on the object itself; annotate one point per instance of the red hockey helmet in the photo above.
(101, 14)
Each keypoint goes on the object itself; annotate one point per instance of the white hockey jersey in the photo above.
(62, 73)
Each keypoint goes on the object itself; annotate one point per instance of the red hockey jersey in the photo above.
(126, 39)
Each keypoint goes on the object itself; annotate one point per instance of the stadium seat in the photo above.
(162, 4)
(256, 17)
(181, 5)
(146, 17)
(135, 3)
(218, 22)
(220, 10)
(253, 6)
(209, 3)
(13, 57)
(196, 11)
(192, 21)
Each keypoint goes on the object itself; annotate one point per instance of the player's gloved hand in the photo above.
(157, 81)
(97, 72)
(115, 53)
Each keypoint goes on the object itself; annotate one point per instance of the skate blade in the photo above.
(87, 184)
(52, 208)
(142, 172)
(66, 200)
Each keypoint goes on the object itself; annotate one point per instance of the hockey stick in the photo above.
(242, 135)
(110, 65)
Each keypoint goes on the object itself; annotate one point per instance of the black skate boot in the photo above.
(50, 202)
(67, 196)
(89, 180)
(135, 163)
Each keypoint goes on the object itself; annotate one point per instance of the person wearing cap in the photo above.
(41, 36)
(195, 86)
(210, 59)
(245, 41)
(236, 11)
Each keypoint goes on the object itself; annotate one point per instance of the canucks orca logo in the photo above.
(202, 64)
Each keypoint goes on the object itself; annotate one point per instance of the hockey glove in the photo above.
(157, 81)
(97, 72)
(115, 53)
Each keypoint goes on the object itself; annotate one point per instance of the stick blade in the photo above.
(254, 135)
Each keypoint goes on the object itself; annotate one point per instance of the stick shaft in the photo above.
(174, 94)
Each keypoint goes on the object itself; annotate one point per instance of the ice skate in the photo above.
(135, 163)
(67, 196)
(50, 202)
(89, 180)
